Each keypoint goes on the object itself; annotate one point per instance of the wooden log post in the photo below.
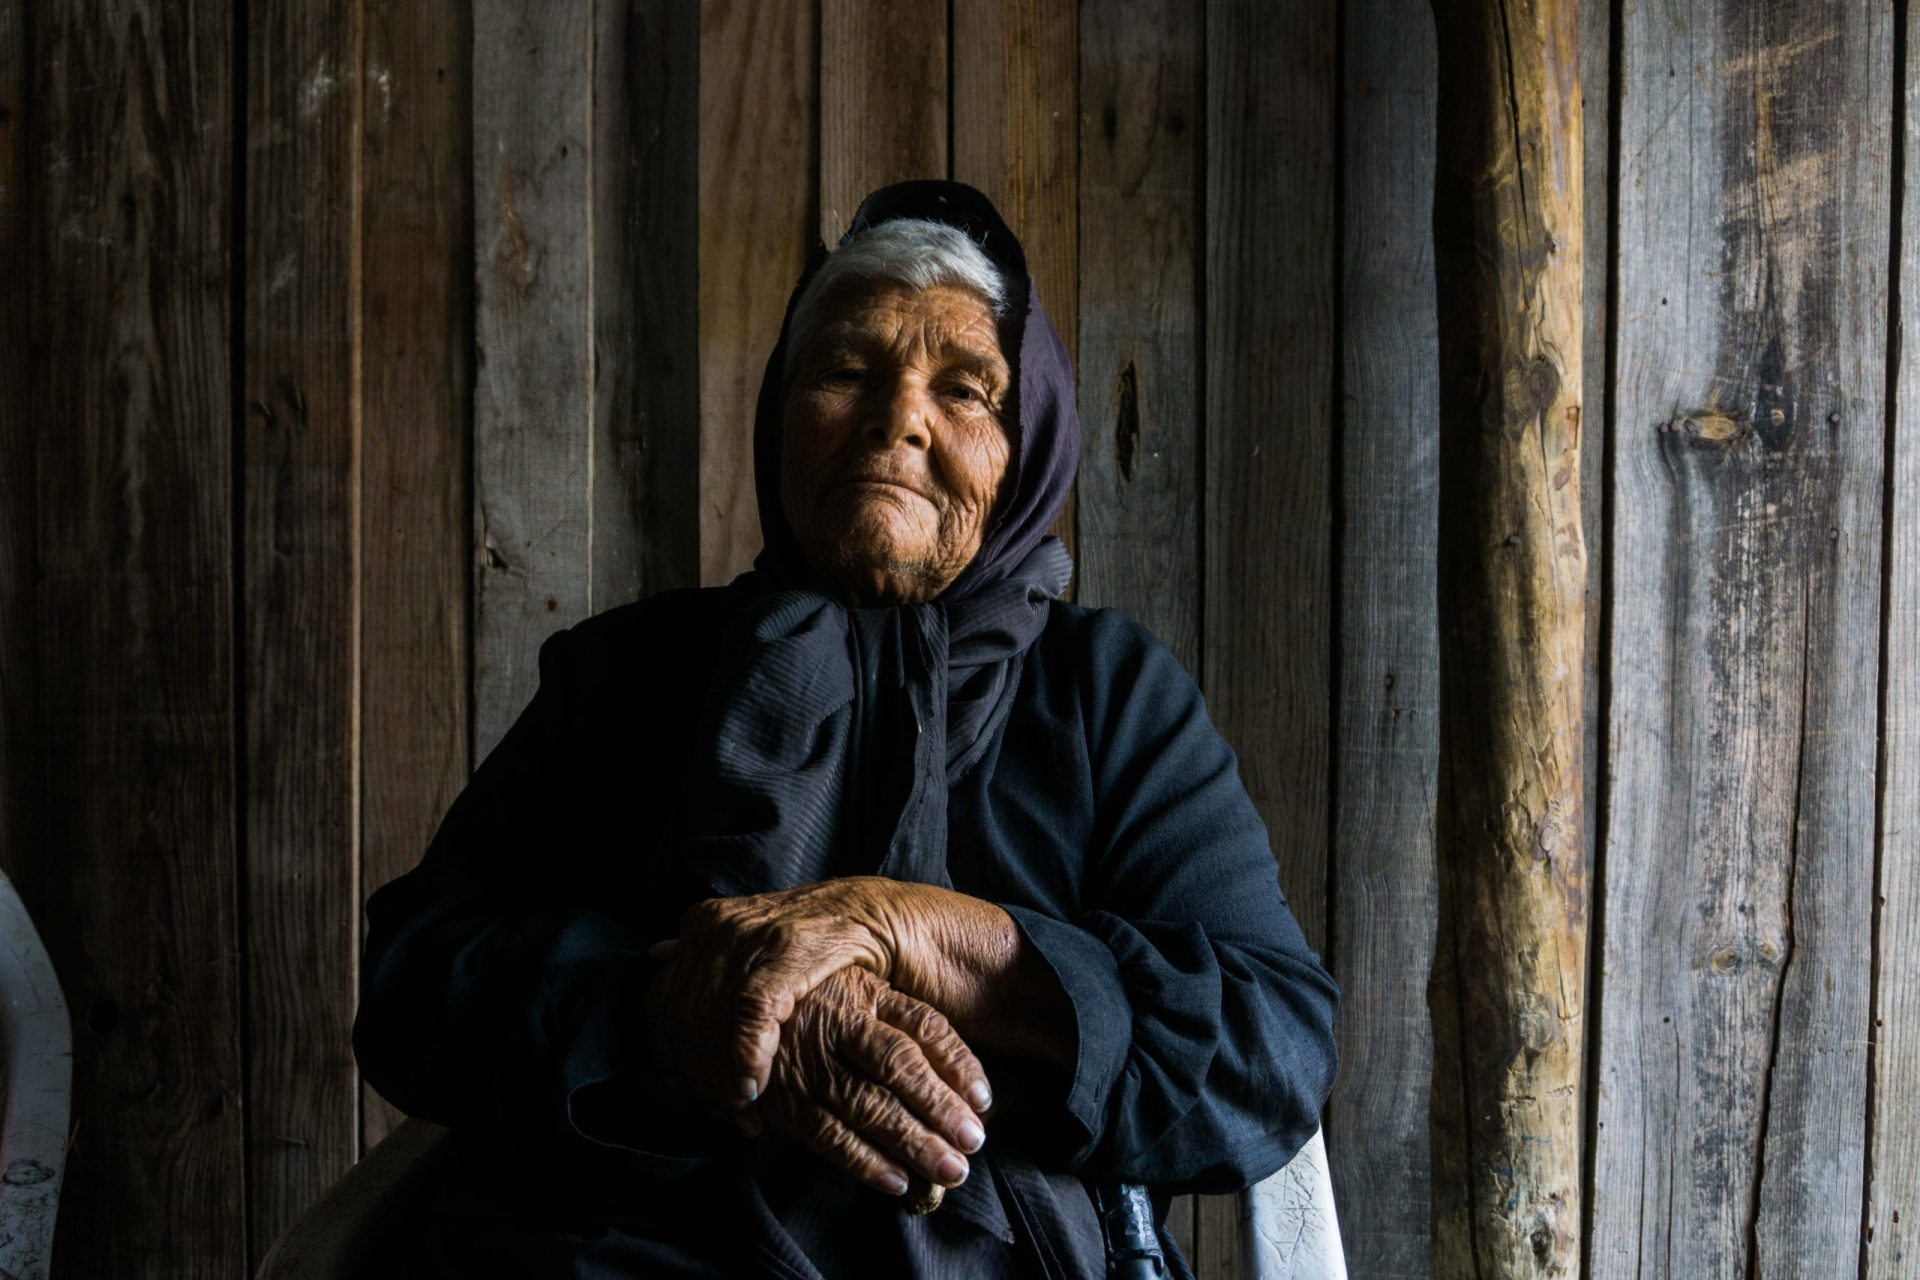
(1509, 986)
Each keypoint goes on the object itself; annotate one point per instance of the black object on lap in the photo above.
(1126, 1219)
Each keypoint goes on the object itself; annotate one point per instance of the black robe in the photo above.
(504, 977)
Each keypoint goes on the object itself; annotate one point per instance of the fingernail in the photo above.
(972, 1136)
(896, 1184)
(951, 1170)
(749, 1089)
(981, 1095)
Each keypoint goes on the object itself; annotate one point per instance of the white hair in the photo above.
(916, 252)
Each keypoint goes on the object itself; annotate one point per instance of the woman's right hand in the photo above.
(875, 1083)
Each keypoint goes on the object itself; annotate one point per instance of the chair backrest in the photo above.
(36, 1067)
(1291, 1230)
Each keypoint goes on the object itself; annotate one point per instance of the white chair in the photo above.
(36, 1072)
(1288, 1225)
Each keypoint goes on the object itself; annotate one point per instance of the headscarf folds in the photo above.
(832, 734)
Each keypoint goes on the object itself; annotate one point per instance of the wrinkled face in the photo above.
(892, 444)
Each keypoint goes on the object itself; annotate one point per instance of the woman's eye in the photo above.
(843, 375)
(960, 391)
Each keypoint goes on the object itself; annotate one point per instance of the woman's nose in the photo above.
(903, 418)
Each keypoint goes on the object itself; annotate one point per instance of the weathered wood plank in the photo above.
(1891, 1239)
(416, 412)
(299, 565)
(1596, 106)
(20, 783)
(131, 261)
(1180, 1222)
(1509, 209)
(1386, 727)
(1140, 325)
(1271, 75)
(1269, 418)
(646, 226)
(533, 397)
(759, 166)
(1016, 136)
(1751, 277)
(1139, 322)
(883, 101)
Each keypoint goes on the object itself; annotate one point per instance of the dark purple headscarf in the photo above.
(832, 733)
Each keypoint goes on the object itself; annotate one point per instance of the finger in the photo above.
(895, 1060)
(884, 1122)
(765, 1001)
(944, 1049)
(828, 1137)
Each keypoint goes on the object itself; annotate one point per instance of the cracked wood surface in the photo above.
(1754, 158)
(1891, 1239)
(1509, 998)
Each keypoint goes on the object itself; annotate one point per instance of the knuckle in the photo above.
(871, 1108)
(898, 1058)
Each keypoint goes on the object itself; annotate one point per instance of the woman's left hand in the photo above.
(733, 976)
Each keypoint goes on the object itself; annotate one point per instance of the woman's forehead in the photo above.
(950, 319)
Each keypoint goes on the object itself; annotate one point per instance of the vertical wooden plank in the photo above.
(1269, 417)
(1269, 429)
(1139, 323)
(131, 263)
(1509, 210)
(20, 782)
(1891, 1239)
(1596, 115)
(645, 272)
(416, 411)
(759, 165)
(1180, 1222)
(1139, 374)
(533, 396)
(1016, 136)
(883, 101)
(300, 548)
(1386, 715)
(1752, 252)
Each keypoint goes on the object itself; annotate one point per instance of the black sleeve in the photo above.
(504, 976)
(1205, 1022)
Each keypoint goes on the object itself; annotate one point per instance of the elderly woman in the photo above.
(881, 863)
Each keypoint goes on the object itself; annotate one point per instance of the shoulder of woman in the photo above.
(668, 636)
(1105, 641)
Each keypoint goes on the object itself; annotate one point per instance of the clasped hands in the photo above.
(816, 1010)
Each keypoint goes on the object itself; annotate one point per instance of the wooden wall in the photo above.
(347, 350)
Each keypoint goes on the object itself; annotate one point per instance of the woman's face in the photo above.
(892, 443)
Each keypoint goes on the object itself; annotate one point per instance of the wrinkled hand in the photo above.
(741, 965)
(873, 1081)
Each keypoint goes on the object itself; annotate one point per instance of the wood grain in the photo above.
(1140, 325)
(646, 230)
(1386, 726)
(1140, 392)
(1271, 148)
(20, 783)
(299, 570)
(1509, 210)
(883, 101)
(1752, 248)
(1890, 1243)
(1269, 418)
(1016, 136)
(533, 429)
(1596, 107)
(759, 169)
(131, 261)
(416, 415)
